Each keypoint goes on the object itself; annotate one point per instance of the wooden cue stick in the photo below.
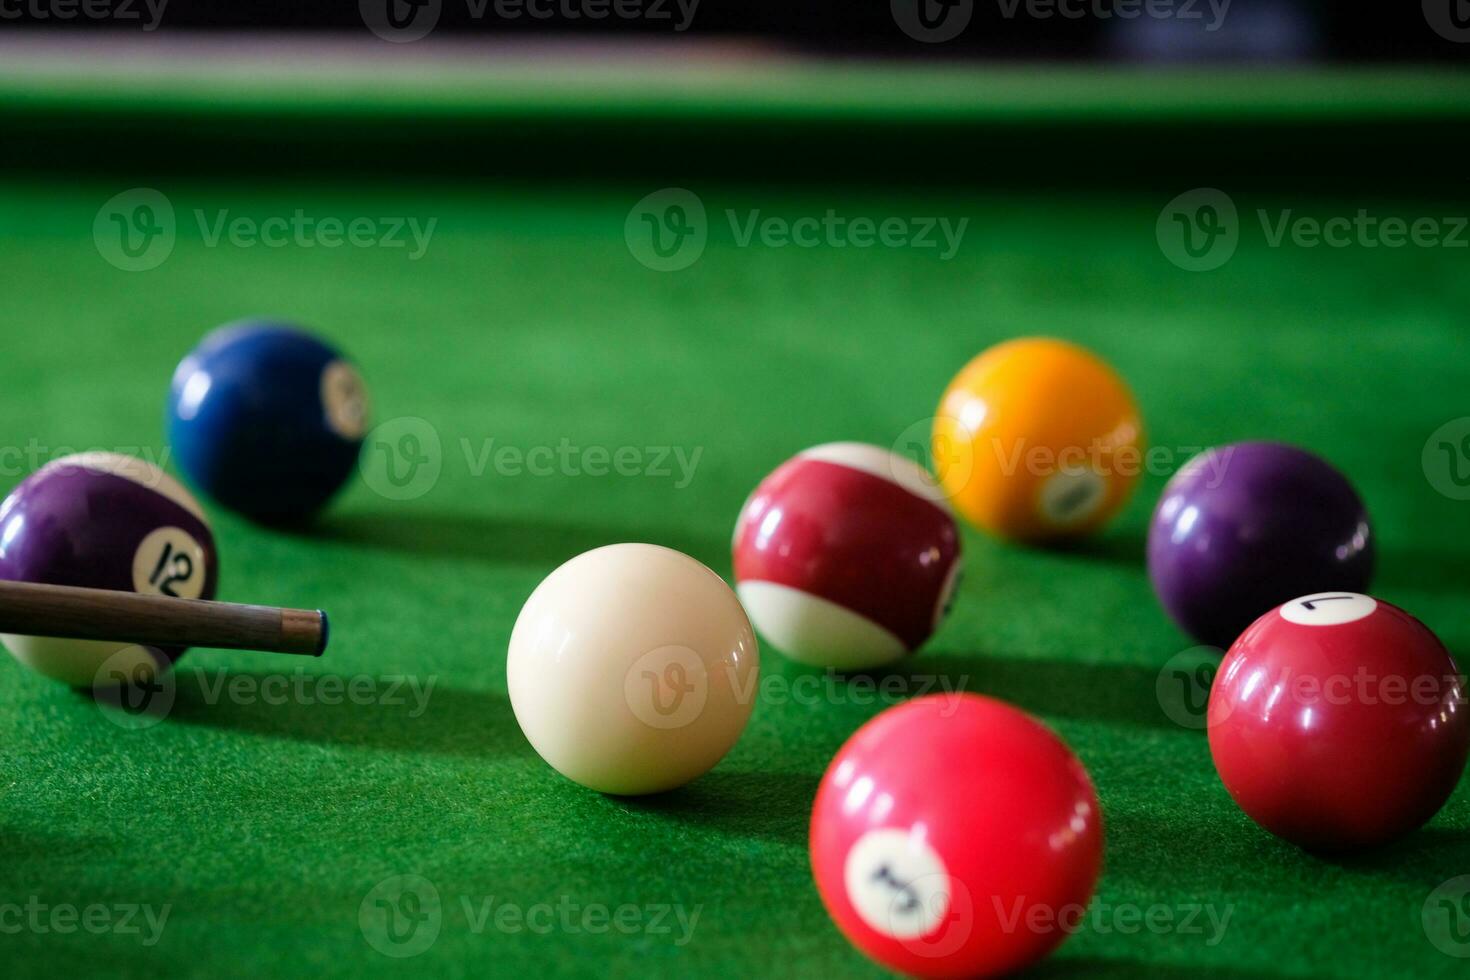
(28, 609)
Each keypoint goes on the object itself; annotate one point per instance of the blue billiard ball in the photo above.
(267, 420)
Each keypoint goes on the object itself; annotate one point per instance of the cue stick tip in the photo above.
(304, 631)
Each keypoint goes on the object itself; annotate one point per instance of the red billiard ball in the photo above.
(1338, 721)
(846, 556)
(956, 836)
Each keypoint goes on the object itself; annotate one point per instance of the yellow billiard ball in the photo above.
(1038, 439)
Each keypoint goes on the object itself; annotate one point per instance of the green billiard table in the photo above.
(576, 361)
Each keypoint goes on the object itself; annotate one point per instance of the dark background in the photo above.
(1254, 30)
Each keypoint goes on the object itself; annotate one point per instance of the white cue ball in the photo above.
(632, 669)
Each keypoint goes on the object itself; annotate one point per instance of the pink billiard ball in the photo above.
(846, 556)
(956, 836)
(1337, 721)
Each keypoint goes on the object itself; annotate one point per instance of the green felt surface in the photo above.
(517, 85)
(264, 827)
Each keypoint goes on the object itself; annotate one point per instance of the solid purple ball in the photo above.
(1243, 528)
